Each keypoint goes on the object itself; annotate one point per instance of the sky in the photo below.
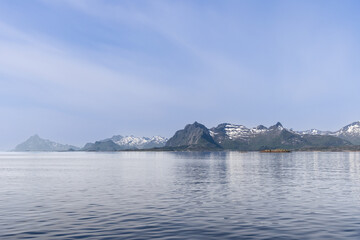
(79, 71)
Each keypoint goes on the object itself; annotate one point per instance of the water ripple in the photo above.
(180, 196)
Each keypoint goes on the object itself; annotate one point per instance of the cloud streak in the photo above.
(140, 67)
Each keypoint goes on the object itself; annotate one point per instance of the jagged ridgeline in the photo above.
(118, 143)
(225, 136)
(238, 137)
(115, 143)
(350, 132)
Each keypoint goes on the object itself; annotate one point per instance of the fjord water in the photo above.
(143, 195)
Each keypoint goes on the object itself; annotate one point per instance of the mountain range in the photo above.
(228, 136)
(225, 136)
(118, 142)
(115, 143)
(350, 132)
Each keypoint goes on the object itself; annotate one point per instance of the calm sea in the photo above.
(144, 195)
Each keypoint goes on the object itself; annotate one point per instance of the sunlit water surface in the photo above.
(139, 195)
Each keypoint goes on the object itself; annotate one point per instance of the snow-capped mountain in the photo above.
(238, 137)
(139, 142)
(350, 133)
(35, 143)
(237, 132)
(233, 131)
(314, 132)
(119, 142)
(352, 129)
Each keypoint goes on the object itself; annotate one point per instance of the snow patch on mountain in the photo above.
(351, 129)
(350, 132)
(314, 132)
(236, 131)
(233, 131)
(132, 142)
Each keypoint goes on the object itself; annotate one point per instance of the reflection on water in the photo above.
(201, 195)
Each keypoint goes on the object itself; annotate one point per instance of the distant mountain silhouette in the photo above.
(35, 143)
(226, 136)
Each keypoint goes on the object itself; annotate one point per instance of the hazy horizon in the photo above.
(79, 71)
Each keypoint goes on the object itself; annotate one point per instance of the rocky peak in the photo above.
(261, 127)
(196, 125)
(194, 135)
(353, 128)
(277, 126)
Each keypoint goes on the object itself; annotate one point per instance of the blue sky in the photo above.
(78, 71)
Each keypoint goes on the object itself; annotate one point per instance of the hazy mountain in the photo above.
(193, 137)
(35, 143)
(119, 142)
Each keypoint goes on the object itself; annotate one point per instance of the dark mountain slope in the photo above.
(193, 137)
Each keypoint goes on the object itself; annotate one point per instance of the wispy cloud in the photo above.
(37, 61)
(131, 64)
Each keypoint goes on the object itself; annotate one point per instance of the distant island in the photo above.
(36, 143)
(226, 136)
